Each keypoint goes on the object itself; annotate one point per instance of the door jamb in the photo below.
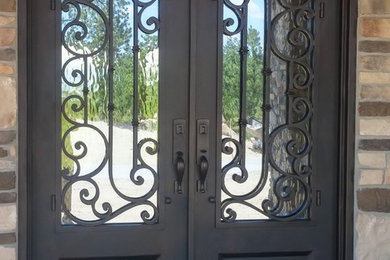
(346, 136)
(23, 180)
(346, 189)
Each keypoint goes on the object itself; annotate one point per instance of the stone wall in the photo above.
(8, 180)
(8, 124)
(373, 131)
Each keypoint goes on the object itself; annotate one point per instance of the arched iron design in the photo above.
(75, 30)
(290, 193)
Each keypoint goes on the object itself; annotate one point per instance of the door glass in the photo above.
(266, 109)
(109, 112)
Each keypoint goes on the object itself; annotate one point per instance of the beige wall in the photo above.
(373, 131)
(8, 127)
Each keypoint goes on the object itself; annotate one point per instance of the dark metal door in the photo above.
(178, 129)
(272, 162)
(109, 88)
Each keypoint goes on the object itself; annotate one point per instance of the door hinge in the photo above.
(53, 5)
(318, 198)
(53, 202)
(322, 10)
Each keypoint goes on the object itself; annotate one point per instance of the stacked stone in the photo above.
(373, 133)
(8, 130)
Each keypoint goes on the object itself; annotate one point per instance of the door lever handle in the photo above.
(180, 168)
(203, 170)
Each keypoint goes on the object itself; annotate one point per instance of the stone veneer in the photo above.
(372, 239)
(373, 131)
(8, 127)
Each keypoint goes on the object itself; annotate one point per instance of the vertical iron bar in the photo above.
(135, 122)
(111, 107)
(85, 90)
(266, 85)
(243, 70)
(110, 83)
(289, 92)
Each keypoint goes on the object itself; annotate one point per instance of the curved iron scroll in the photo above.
(76, 32)
(290, 192)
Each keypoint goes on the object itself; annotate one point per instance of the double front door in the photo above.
(178, 129)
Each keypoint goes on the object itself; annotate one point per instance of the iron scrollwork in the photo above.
(74, 30)
(290, 192)
(240, 11)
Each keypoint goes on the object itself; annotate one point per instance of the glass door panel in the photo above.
(109, 124)
(266, 109)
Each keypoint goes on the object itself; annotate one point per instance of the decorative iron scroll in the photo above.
(287, 140)
(75, 76)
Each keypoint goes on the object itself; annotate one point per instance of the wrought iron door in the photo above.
(273, 119)
(110, 81)
(179, 129)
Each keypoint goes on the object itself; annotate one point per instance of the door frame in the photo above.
(347, 144)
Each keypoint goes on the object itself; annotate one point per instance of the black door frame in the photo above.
(346, 134)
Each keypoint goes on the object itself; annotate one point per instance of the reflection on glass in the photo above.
(266, 105)
(109, 126)
(290, 98)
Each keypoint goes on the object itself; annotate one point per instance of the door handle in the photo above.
(202, 153)
(203, 170)
(179, 153)
(180, 168)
